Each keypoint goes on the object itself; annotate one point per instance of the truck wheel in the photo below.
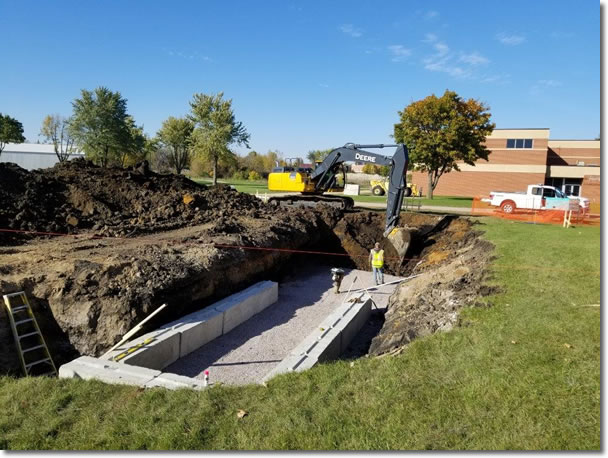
(508, 206)
(408, 192)
(377, 191)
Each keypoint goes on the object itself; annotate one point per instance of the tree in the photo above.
(11, 131)
(318, 155)
(442, 131)
(100, 125)
(216, 129)
(175, 134)
(138, 146)
(55, 130)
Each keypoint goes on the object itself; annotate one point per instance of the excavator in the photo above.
(325, 178)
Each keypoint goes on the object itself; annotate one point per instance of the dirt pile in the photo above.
(452, 267)
(77, 195)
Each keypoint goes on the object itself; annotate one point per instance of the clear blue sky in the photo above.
(307, 75)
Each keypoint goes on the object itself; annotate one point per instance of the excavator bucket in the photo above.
(400, 238)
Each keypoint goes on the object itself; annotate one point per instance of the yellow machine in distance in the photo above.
(379, 188)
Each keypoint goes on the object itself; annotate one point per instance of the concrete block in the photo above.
(174, 382)
(243, 305)
(329, 347)
(163, 350)
(88, 368)
(353, 321)
(351, 190)
(197, 329)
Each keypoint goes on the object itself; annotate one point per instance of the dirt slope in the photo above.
(452, 267)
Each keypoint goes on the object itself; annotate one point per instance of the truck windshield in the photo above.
(560, 194)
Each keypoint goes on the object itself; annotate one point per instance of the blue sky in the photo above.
(307, 75)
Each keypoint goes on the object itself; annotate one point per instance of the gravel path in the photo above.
(248, 352)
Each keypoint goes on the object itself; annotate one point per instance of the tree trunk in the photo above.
(214, 171)
(429, 189)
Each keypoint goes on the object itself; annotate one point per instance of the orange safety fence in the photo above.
(543, 215)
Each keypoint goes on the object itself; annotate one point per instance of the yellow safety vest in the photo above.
(377, 258)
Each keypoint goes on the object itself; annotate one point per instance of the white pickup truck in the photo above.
(538, 197)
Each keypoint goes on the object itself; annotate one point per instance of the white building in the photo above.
(32, 155)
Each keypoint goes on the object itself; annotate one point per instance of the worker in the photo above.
(376, 258)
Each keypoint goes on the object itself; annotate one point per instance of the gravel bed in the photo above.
(248, 352)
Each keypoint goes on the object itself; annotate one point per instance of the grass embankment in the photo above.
(521, 374)
(261, 186)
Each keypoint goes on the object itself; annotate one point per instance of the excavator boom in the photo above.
(325, 174)
(324, 178)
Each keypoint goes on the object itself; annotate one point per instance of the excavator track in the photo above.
(340, 202)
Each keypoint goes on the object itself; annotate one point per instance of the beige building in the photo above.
(520, 157)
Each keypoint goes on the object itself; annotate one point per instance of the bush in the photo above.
(376, 169)
(197, 167)
(240, 175)
(253, 176)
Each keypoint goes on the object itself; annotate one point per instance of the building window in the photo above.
(519, 143)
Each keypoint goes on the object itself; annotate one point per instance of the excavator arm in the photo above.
(324, 175)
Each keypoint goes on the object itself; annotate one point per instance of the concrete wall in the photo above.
(164, 346)
(88, 368)
(330, 339)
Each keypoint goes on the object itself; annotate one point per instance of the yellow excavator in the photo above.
(329, 175)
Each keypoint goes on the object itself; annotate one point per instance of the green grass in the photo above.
(504, 380)
(261, 186)
(445, 201)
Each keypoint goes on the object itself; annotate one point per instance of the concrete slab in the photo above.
(197, 329)
(353, 320)
(174, 382)
(162, 350)
(88, 368)
(239, 307)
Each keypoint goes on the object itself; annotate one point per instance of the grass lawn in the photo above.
(523, 373)
(444, 201)
(261, 186)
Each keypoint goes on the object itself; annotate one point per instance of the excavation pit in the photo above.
(252, 350)
(291, 327)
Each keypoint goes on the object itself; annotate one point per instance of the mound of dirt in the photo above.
(77, 195)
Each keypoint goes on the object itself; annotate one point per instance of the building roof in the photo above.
(37, 148)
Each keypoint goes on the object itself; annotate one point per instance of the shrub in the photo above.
(197, 167)
(253, 176)
(240, 175)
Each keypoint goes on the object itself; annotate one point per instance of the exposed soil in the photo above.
(77, 195)
(139, 239)
(452, 268)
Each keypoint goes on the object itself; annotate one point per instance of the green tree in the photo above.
(100, 125)
(318, 155)
(55, 130)
(216, 129)
(442, 131)
(175, 134)
(11, 131)
(271, 158)
(138, 146)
